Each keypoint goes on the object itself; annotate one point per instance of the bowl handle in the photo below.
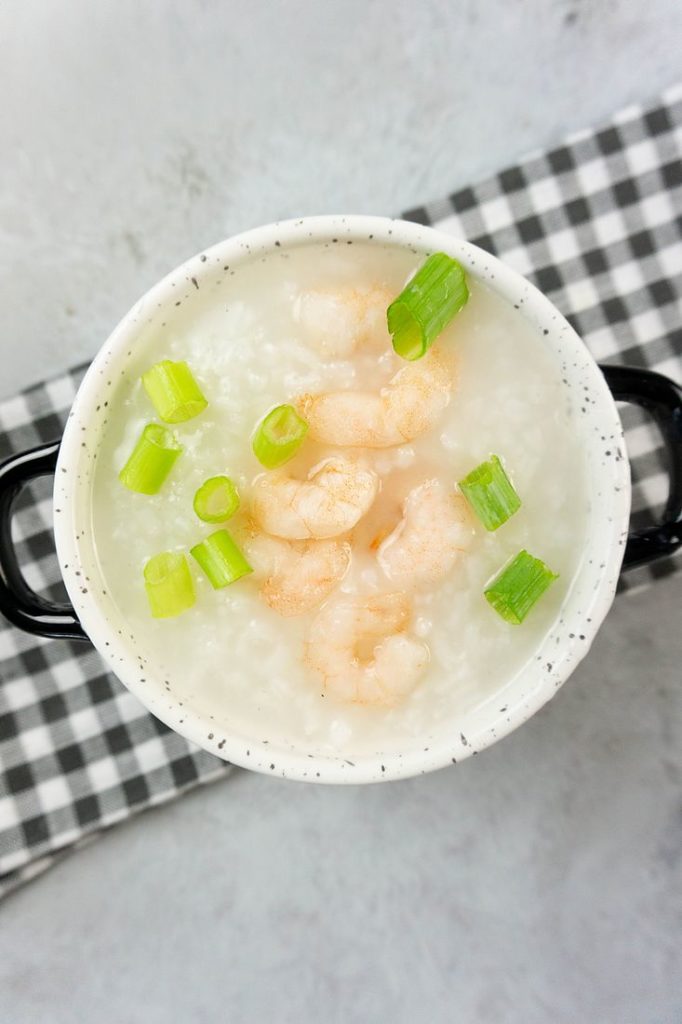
(662, 399)
(660, 396)
(18, 603)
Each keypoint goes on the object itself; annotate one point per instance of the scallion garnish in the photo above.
(427, 305)
(278, 436)
(168, 583)
(216, 500)
(518, 586)
(490, 493)
(151, 460)
(174, 392)
(220, 559)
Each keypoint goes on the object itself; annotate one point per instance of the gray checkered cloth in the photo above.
(596, 223)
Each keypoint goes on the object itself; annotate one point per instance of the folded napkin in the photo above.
(596, 223)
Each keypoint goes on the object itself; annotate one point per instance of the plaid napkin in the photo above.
(596, 223)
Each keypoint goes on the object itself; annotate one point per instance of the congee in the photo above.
(340, 494)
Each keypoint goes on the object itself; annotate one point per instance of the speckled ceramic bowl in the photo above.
(95, 617)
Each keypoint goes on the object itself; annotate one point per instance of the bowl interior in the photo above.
(181, 297)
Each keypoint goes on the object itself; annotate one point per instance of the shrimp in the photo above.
(338, 322)
(297, 575)
(331, 501)
(359, 649)
(408, 406)
(425, 544)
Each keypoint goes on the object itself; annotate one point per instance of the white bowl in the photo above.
(556, 656)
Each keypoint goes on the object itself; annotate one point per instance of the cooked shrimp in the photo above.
(330, 502)
(408, 406)
(337, 322)
(434, 529)
(297, 575)
(359, 649)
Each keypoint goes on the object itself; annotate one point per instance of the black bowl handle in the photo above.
(662, 399)
(659, 395)
(18, 603)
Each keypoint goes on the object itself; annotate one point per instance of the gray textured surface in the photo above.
(539, 883)
(134, 134)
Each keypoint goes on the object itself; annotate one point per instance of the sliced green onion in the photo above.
(174, 393)
(220, 559)
(151, 460)
(168, 583)
(427, 305)
(518, 586)
(278, 436)
(490, 493)
(216, 500)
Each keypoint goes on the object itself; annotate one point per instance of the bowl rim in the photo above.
(76, 461)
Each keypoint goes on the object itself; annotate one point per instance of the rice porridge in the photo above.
(296, 327)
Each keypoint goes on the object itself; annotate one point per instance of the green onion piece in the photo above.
(490, 493)
(168, 583)
(151, 460)
(174, 393)
(518, 586)
(278, 436)
(427, 305)
(216, 500)
(220, 559)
